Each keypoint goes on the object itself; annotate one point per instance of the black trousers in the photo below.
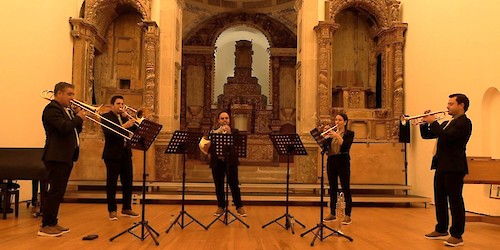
(339, 167)
(448, 188)
(218, 173)
(58, 181)
(123, 168)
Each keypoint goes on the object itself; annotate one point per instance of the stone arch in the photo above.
(89, 41)
(490, 135)
(198, 55)
(236, 24)
(385, 70)
(101, 13)
(206, 33)
(385, 12)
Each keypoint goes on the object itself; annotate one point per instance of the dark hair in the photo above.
(222, 111)
(461, 98)
(61, 86)
(113, 99)
(344, 116)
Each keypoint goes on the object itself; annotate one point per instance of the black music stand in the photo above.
(320, 233)
(183, 143)
(287, 144)
(143, 137)
(223, 143)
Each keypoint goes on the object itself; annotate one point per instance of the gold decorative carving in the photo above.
(324, 34)
(151, 39)
(354, 99)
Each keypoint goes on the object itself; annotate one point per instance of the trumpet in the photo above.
(334, 128)
(49, 95)
(139, 114)
(417, 119)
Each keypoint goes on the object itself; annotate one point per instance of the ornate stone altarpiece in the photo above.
(376, 127)
(90, 40)
(380, 160)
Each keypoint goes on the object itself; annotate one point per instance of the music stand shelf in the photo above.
(142, 139)
(183, 143)
(287, 144)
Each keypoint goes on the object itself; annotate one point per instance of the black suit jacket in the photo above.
(451, 144)
(114, 146)
(60, 138)
(232, 156)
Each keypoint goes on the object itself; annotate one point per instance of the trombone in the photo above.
(139, 114)
(417, 119)
(49, 95)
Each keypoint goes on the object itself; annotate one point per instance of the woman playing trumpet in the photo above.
(338, 165)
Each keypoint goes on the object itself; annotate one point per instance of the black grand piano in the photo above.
(20, 164)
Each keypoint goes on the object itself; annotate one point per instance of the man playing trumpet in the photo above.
(450, 163)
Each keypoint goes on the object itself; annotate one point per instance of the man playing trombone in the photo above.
(118, 157)
(450, 163)
(62, 127)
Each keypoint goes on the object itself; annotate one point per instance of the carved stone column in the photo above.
(275, 122)
(398, 35)
(206, 122)
(85, 40)
(183, 115)
(324, 32)
(150, 46)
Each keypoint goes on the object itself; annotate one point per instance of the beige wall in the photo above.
(36, 53)
(452, 46)
(169, 63)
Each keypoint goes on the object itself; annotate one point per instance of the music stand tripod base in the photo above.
(321, 226)
(183, 143)
(287, 144)
(222, 142)
(226, 220)
(142, 139)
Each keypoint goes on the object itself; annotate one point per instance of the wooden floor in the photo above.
(372, 228)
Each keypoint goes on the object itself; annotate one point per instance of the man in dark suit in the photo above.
(450, 163)
(219, 166)
(62, 127)
(118, 157)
